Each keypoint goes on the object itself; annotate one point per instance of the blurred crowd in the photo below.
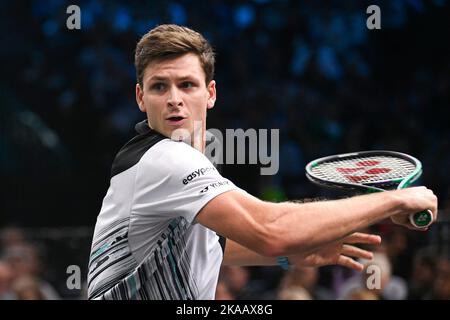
(311, 69)
(38, 264)
(21, 269)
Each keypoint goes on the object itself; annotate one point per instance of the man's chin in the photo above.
(179, 134)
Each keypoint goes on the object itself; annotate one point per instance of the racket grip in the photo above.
(421, 219)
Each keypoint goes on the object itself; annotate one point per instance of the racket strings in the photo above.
(380, 170)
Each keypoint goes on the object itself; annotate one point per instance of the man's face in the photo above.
(174, 94)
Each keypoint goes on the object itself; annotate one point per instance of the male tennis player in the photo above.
(156, 236)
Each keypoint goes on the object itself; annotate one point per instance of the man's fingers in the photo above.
(356, 252)
(366, 238)
(350, 263)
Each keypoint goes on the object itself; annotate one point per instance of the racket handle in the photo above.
(421, 219)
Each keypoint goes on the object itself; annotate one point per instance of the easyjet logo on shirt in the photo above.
(197, 173)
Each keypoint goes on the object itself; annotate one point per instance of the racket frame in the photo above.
(400, 183)
(371, 187)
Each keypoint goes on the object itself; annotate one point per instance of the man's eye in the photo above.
(187, 84)
(158, 86)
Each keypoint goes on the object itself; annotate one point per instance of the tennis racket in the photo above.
(370, 171)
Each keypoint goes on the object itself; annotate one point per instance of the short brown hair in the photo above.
(171, 41)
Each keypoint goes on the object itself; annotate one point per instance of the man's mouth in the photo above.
(175, 120)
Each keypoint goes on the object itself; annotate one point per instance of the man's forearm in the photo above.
(308, 226)
(238, 255)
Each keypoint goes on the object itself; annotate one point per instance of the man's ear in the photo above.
(212, 94)
(139, 97)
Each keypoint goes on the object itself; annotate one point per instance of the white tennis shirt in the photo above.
(146, 243)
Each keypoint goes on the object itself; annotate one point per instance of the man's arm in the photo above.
(276, 229)
(342, 252)
(238, 255)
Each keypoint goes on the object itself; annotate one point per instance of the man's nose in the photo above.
(174, 99)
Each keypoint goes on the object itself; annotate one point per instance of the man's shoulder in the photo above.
(180, 149)
(173, 154)
(132, 152)
(152, 149)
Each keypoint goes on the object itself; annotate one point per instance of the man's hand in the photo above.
(339, 253)
(414, 200)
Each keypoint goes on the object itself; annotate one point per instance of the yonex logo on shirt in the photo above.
(214, 185)
(197, 173)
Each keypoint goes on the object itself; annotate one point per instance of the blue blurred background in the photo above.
(311, 69)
